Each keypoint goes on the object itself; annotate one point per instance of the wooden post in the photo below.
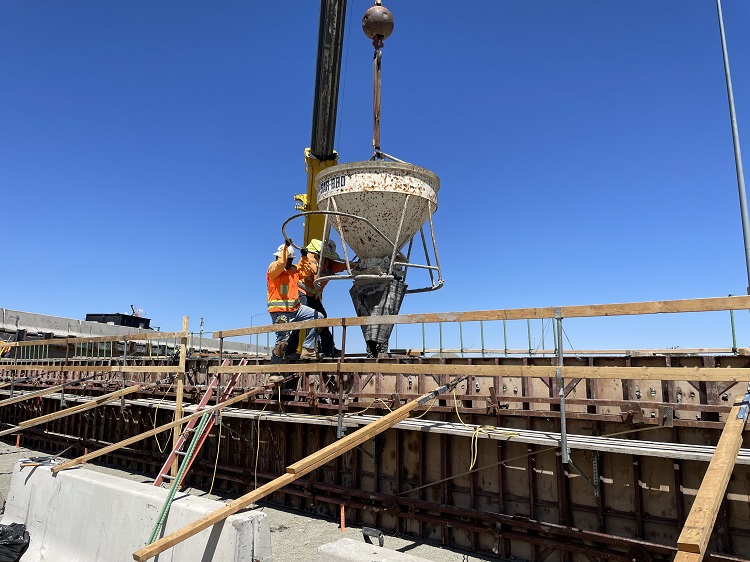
(293, 472)
(180, 391)
(700, 522)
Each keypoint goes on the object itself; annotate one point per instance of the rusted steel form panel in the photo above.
(523, 504)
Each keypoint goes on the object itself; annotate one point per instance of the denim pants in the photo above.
(300, 315)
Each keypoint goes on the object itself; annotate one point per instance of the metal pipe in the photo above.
(734, 335)
(561, 387)
(736, 143)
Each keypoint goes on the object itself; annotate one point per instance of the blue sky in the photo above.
(149, 152)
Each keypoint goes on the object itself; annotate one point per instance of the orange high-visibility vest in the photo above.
(308, 268)
(283, 293)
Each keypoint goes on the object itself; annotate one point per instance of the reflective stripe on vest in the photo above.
(283, 294)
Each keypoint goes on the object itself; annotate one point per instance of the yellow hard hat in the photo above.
(314, 246)
(330, 251)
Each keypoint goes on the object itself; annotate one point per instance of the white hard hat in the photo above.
(289, 253)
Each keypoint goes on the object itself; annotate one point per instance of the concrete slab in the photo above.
(349, 550)
(85, 516)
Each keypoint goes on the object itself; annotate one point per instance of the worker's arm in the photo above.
(277, 267)
(307, 266)
(337, 266)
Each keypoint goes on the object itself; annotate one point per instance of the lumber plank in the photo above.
(581, 311)
(688, 557)
(96, 368)
(212, 518)
(700, 522)
(719, 374)
(155, 431)
(35, 394)
(97, 339)
(337, 448)
(98, 401)
(297, 470)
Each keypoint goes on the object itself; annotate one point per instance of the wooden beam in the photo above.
(721, 374)
(585, 311)
(94, 368)
(700, 522)
(155, 431)
(688, 557)
(98, 401)
(293, 472)
(35, 394)
(95, 339)
(180, 392)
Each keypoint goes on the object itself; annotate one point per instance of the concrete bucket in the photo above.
(394, 197)
(377, 208)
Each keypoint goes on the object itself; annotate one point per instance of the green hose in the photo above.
(180, 473)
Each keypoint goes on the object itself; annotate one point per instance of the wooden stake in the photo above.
(180, 391)
(343, 520)
(18, 441)
(293, 472)
(700, 522)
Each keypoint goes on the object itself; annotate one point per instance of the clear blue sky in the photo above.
(149, 152)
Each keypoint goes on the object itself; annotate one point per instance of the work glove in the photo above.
(303, 251)
(287, 242)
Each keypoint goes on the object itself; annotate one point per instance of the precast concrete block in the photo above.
(80, 515)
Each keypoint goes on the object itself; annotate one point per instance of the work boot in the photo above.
(308, 355)
(279, 350)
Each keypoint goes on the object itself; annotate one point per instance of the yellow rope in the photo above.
(156, 411)
(476, 431)
(370, 406)
(427, 410)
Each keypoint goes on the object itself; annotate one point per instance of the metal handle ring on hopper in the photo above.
(351, 275)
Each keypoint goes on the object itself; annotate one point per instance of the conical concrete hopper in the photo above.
(384, 193)
(377, 207)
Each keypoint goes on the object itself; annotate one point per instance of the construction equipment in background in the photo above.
(321, 154)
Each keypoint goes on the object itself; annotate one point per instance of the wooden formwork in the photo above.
(481, 469)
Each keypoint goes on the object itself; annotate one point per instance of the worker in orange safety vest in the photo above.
(309, 268)
(284, 303)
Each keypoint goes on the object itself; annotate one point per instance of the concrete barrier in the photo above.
(86, 516)
(349, 550)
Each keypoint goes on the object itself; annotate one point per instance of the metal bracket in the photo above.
(742, 414)
(572, 465)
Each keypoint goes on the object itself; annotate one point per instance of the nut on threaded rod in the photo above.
(377, 23)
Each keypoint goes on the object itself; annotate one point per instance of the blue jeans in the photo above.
(300, 315)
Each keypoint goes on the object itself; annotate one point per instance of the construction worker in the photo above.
(284, 303)
(309, 266)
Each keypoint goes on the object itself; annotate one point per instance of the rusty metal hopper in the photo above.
(395, 198)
